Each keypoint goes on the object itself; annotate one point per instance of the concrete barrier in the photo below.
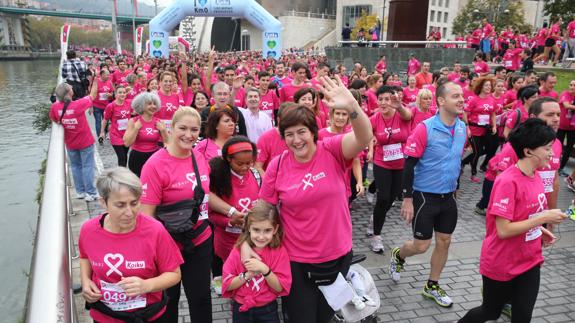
(397, 58)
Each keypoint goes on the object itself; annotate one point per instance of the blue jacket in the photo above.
(438, 169)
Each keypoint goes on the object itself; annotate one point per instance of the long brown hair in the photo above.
(263, 211)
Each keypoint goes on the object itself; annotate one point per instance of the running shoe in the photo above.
(475, 179)
(395, 265)
(562, 173)
(377, 244)
(479, 211)
(217, 284)
(569, 182)
(437, 294)
(80, 196)
(506, 310)
(369, 230)
(370, 197)
(91, 197)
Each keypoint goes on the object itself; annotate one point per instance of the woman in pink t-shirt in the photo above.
(307, 182)
(118, 113)
(391, 128)
(105, 91)
(309, 98)
(511, 254)
(374, 82)
(127, 259)
(169, 99)
(235, 186)
(169, 177)
(410, 91)
(144, 131)
(422, 110)
(220, 127)
(200, 101)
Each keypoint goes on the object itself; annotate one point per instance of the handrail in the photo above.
(308, 14)
(395, 43)
(50, 287)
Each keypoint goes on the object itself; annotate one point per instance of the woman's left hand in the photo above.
(256, 265)
(134, 286)
(547, 237)
(337, 95)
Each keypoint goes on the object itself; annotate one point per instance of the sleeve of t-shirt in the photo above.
(565, 98)
(81, 238)
(268, 190)
(84, 103)
(503, 198)
(511, 120)
(416, 142)
(282, 95)
(263, 153)
(231, 269)
(151, 184)
(168, 255)
(281, 268)
(52, 114)
(218, 219)
(108, 111)
(333, 145)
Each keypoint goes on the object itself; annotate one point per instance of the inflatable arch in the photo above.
(171, 16)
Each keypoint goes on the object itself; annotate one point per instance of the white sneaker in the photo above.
(370, 197)
(90, 198)
(80, 196)
(377, 244)
(368, 301)
(358, 303)
(369, 230)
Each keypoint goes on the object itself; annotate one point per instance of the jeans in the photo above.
(263, 314)
(98, 115)
(83, 164)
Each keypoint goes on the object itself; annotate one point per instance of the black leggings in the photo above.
(485, 194)
(521, 290)
(196, 279)
(570, 134)
(122, 154)
(492, 142)
(478, 145)
(137, 160)
(388, 183)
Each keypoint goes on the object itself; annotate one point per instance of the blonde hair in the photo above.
(421, 94)
(263, 211)
(186, 111)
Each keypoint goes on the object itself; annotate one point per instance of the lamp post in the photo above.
(134, 36)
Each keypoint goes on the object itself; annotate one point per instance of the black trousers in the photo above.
(388, 183)
(492, 142)
(122, 154)
(137, 161)
(478, 145)
(521, 290)
(567, 148)
(485, 194)
(196, 279)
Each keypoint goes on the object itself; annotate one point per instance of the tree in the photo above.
(560, 8)
(500, 13)
(365, 22)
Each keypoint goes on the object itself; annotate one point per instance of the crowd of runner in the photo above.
(252, 165)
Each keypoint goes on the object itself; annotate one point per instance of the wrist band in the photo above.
(268, 273)
(231, 211)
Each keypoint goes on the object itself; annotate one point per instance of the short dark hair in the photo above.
(214, 118)
(537, 106)
(300, 115)
(71, 54)
(465, 69)
(230, 68)
(358, 84)
(263, 74)
(499, 69)
(385, 89)
(545, 76)
(531, 134)
(526, 92)
(299, 65)
(441, 91)
(304, 91)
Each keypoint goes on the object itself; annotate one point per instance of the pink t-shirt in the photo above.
(118, 115)
(240, 99)
(468, 95)
(269, 103)
(77, 133)
(371, 101)
(413, 66)
(571, 29)
(119, 78)
(313, 202)
(288, 91)
(481, 67)
(510, 96)
(512, 115)
(479, 112)
(208, 149)
(167, 179)
(567, 121)
(244, 197)
(257, 292)
(551, 94)
(409, 95)
(146, 252)
(148, 136)
(326, 133)
(270, 144)
(418, 116)
(169, 105)
(104, 88)
(381, 67)
(515, 197)
(511, 59)
(391, 135)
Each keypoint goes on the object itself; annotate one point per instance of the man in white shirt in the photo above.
(257, 122)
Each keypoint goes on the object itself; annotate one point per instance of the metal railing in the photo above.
(50, 297)
(396, 43)
(308, 14)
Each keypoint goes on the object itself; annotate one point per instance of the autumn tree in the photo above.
(500, 13)
(365, 22)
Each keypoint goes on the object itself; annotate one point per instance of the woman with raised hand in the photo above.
(309, 181)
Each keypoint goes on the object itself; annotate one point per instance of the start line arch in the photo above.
(170, 17)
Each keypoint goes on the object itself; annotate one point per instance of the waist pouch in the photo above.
(325, 273)
(139, 316)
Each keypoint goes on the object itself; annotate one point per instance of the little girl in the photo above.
(255, 284)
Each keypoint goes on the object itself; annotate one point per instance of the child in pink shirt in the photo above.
(255, 284)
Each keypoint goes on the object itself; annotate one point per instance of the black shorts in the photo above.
(549, 42)
(433, 212)
(540, 49)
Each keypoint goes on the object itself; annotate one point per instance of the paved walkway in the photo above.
(403, 302)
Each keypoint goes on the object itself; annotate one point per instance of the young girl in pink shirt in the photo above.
(255, 284)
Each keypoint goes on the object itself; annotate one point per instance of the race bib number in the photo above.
(533, 233)
(499, 119)
(122, 124)
(235, 230)
(392, 152)
(103, 96)
(483, 119)
(116, 299)
(204, 208)
(548, 177)
(508, 64)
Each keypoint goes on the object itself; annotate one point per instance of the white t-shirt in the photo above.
(256, 124)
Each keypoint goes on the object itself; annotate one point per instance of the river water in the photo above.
(22, 84)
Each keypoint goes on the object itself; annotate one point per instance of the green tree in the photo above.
(560, 8)
(500, 13)
(366, 22)
(45, 33)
